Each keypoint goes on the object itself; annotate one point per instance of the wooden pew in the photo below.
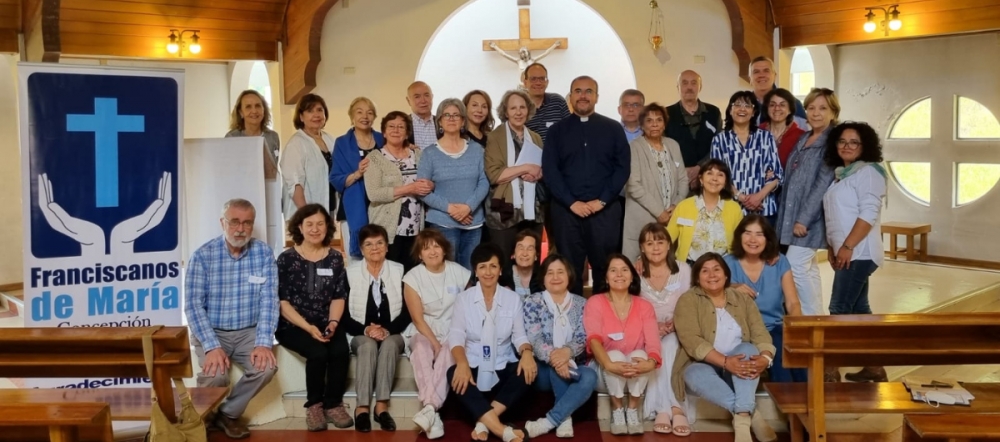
(62, 421)
(815, 342)
(950, 427)
(102, 352)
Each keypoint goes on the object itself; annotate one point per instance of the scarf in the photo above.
(486, 379)
(526, 202)
(843, 172)
(562, 328)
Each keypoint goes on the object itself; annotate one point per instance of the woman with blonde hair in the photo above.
(251, 117)
(349, 166)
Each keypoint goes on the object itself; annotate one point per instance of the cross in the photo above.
(106, 124)
(524, 39)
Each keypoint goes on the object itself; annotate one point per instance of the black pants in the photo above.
(326, 364)
(504, 238)
(587, 239)
(509, 388)
(401, 251)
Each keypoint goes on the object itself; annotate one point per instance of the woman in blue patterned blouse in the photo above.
(553, 320)
(751, 155)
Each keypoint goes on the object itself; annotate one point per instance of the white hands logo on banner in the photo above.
(91, 236)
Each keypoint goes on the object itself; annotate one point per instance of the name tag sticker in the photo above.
(324, 272)
(673, 286)
(616, 336)
(487, 354)
(257, 279)
(453, 290)
(549, 123)
(710, 127)
(685, 222)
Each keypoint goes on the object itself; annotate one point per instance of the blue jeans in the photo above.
(778, 372)
(850, 289)
(463, 242)
(570, 394)
(735, 394)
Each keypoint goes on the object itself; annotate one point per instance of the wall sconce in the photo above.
(655, 26)
(177, 43)
(890, 19)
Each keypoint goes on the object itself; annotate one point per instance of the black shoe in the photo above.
(362, 423)
(385, 421)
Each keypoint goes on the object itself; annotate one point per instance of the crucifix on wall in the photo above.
(524, 44)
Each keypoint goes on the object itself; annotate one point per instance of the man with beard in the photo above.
(231, 303)
(586, 163)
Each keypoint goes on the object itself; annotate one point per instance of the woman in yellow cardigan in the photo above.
(705, 222)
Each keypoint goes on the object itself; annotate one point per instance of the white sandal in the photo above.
(508, 434)
(481, 428)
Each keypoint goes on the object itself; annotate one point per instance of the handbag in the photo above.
(189, 426)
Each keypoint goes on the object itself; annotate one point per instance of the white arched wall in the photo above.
(374, 47)
(10, 174)
(823, 66)
(456, 47)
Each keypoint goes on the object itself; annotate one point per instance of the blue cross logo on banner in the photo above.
(105, 123)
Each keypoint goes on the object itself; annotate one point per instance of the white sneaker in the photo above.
(565, 429)
(618, 425)
(633, 424)
(425, 419)
(437, 430)
(538, 427)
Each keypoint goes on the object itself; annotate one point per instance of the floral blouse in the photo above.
(411, 212)
(709, 232)
(664, 163)
(309, 286)
(538, 323)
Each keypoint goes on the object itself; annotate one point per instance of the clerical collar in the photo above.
(585, 119)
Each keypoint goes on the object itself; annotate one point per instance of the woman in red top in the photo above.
(780, 121)
(623, 337)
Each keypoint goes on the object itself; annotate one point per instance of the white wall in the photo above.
(384, 40)
(206, 115)
(876, 81)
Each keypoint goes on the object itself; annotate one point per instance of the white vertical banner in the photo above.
(217, 170)
(101, 179)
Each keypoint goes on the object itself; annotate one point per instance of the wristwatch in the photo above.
(848, 247)
(603, 203)
(770, 360)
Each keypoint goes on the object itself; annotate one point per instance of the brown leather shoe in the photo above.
(831, 374)
(868, 374)
(233, 428)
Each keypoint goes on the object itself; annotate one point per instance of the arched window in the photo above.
(803, 73)
(913, 179)
(914, 122)
(260, 82)
(975, 122)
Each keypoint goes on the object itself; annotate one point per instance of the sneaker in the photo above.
(315, 418)
(565, 429)
(339, 417)
(425, 418)
(538, 427)
(233, 428)
(761, 428)
(618, 425)
(437, 430)
(633, 423)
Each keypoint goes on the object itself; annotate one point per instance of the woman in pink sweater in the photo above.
(623, 338)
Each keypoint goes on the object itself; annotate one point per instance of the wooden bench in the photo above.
(102, 352)
(950, 427)
(911, 230)
(58, 422)
(816, 342)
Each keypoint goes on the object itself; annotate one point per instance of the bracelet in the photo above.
(335, 321)
(848, 247)
(725, 362)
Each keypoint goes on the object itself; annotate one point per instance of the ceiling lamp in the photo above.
(655, 26)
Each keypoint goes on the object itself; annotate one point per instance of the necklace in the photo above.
(618, 312)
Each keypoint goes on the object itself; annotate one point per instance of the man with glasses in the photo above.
(629, 106)
(692, 123)
(231, 304)
(549, 107)
(586, 163)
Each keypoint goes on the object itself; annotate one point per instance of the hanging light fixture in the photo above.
(890, 19)
(176, 43)
(655, 26)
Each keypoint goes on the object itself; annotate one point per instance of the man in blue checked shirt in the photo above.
(231, 303)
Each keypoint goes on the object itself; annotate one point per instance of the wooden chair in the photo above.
(950, 427)
(911, 230)
(816, 342)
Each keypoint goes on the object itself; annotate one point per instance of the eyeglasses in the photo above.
(451, 116)
(853, 144)
(631, 105)
(587, 92)
(373, 245)
(401, 127)
(537, 79)
(743, 105)
(776, 105)
(234, 223)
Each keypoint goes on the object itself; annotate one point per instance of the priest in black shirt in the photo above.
(585, 164)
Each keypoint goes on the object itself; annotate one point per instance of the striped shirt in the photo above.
(226, 293)
(553, 109)
(424, 132)
(752, 166)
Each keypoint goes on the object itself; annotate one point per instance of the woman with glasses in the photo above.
(751, 155)
(376, 318)
(394, 190)
(853, 209)
(514, 203)
(455, 166)
(778, 118)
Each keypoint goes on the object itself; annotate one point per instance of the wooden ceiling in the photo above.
(815, 22)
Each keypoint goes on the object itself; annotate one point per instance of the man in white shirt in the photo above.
(421, 100)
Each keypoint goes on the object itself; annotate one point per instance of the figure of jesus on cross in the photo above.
(525, 44)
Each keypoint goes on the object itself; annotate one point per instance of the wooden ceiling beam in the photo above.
(914, 25)
(753, 31)
(170, 12)
(857, 15)
(301, 51)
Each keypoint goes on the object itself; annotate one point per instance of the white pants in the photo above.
(615, 385)
(345, 241)
(805, 272)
